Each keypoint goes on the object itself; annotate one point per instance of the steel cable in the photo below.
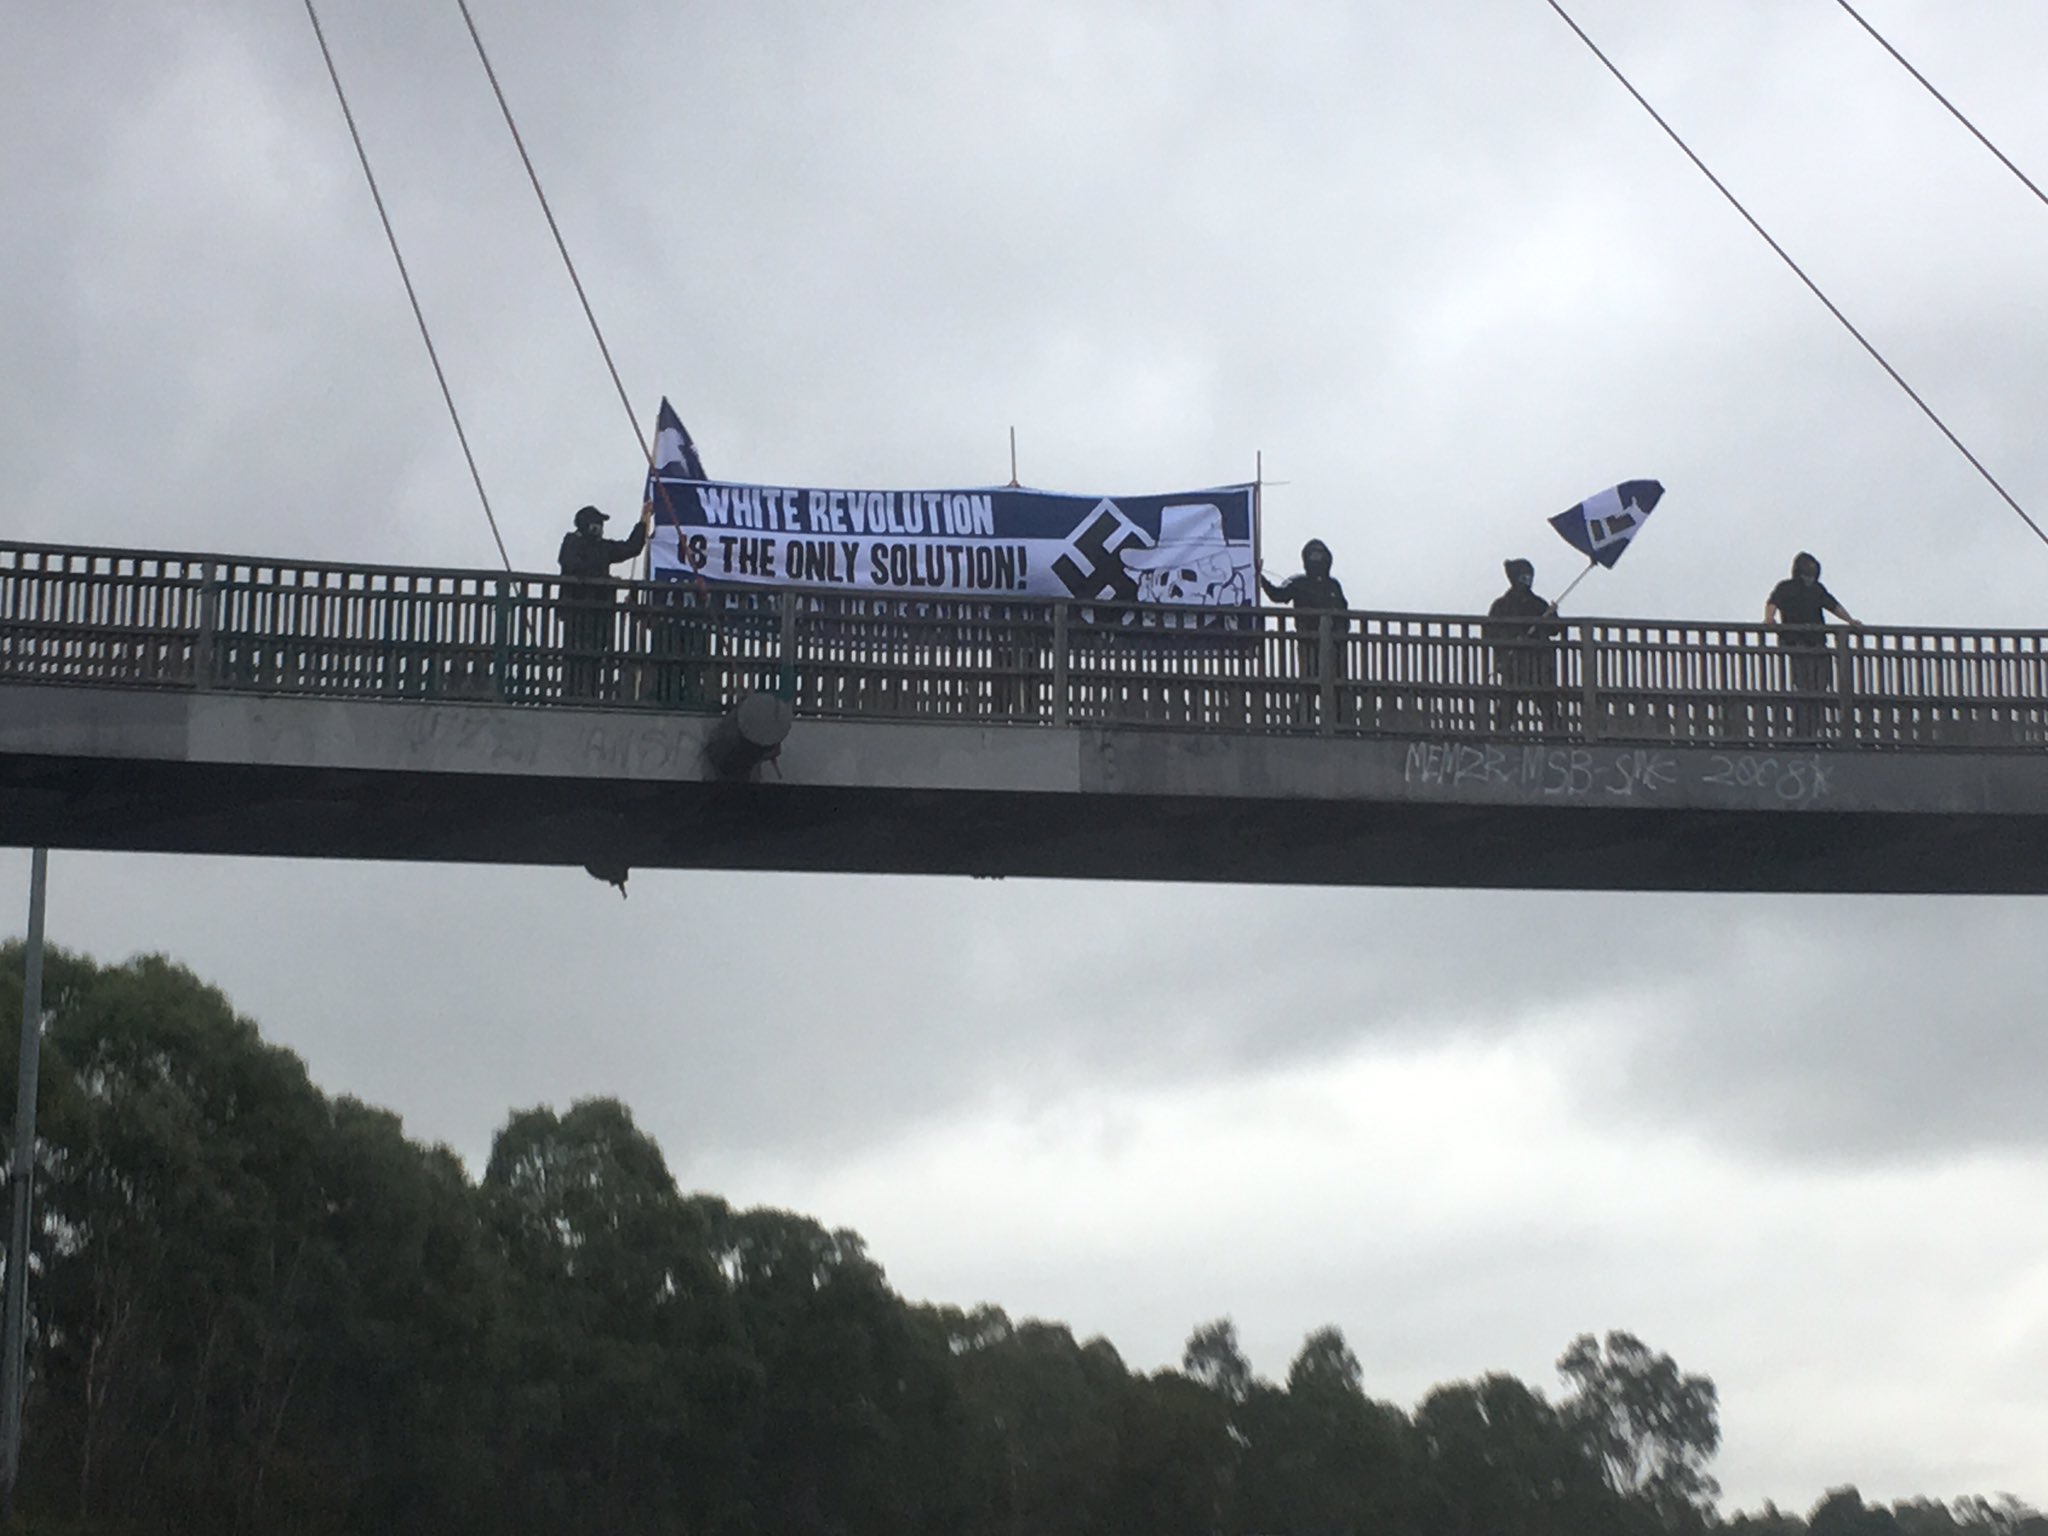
(412, 296)
(1799, 272)
(646, 444)
(1954, 110)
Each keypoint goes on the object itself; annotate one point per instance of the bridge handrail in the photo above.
(84, 614)
(1609, 624)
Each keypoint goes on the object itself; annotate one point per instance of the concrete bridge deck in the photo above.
(206, 704)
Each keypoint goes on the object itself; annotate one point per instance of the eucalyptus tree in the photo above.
(1650, 1427)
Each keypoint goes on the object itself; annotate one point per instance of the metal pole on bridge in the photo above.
(15, 1343)
(1258, 516)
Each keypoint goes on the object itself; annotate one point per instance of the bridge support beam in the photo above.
(227, 773)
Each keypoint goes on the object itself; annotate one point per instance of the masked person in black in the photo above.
(1315, 588)
(1311, 594)
(586, 559)
(1524, 654)
(1798, 607)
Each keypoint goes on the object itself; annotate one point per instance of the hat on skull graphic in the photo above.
(1192, 562)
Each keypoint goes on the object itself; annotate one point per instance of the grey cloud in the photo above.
(1429, 259)
(1447, 276)
(1883, 1030)
(1827, 1028)
(840, 281)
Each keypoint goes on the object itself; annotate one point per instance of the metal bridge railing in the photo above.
(134, 619)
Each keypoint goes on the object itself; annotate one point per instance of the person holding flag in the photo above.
(586, 559)
(1524, 652)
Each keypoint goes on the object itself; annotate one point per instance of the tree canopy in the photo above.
(260, 1309)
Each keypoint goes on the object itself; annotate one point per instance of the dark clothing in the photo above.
(1811, 670)
(1810, 673)
(1802, 602)
(588, 555)
(1525, 656)
(1311, 597)
(588, 606)
(1518, 603)
(1305, 593)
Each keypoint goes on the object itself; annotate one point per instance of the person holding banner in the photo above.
(1315, 590)
(586, 559)
(1312, 594)
(1524, 653)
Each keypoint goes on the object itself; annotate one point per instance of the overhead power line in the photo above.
(1954, 110)
(1799, 272)
(405, 277)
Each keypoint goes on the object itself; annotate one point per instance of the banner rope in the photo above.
(1800, 273)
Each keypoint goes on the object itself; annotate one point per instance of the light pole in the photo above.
(15, 1343)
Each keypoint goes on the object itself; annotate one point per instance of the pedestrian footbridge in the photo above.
(193, 703)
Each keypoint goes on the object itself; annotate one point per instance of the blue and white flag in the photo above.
(1601, 526)
(675, 456)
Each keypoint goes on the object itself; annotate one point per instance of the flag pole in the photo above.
(1558, 601)
(1013, 459)
(647, 501)
(1258, 517)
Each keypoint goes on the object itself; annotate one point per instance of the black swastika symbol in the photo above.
(1105, 578)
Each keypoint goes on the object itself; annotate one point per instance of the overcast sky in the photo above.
(1437, 267)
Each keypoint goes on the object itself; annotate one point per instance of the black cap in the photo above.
(588, 516)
